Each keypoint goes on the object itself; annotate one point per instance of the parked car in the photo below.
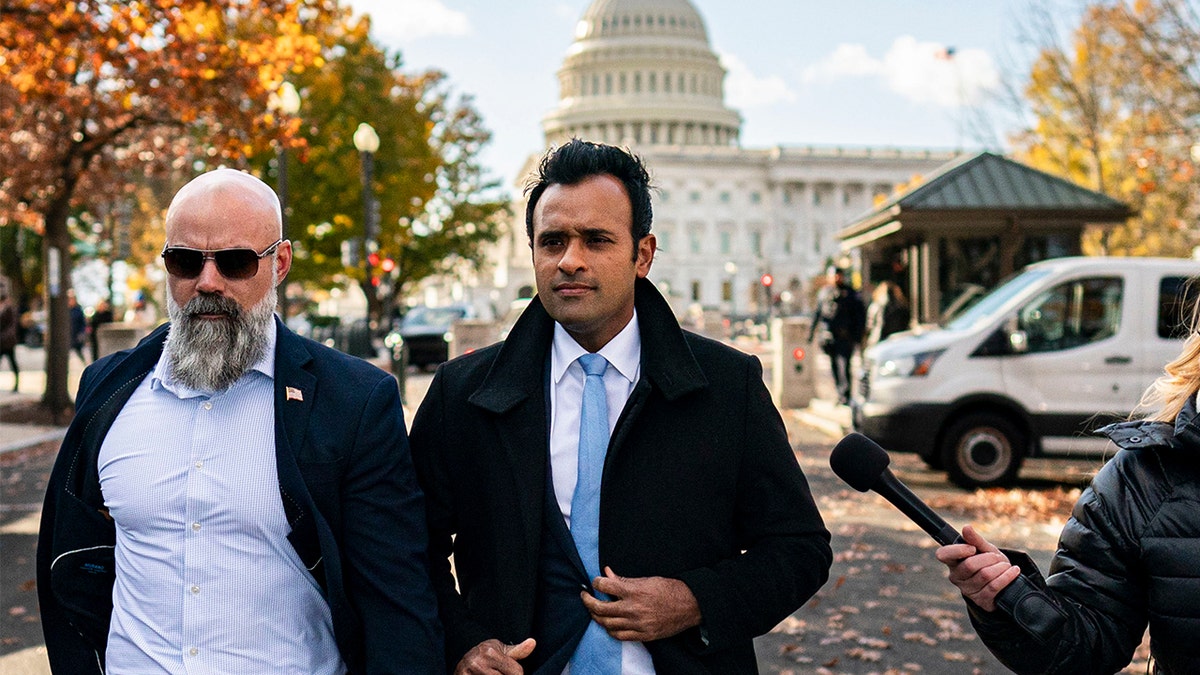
(1030, 369)
(426, 332)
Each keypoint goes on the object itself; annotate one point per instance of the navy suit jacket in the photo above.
(346, 482)
(700, 484)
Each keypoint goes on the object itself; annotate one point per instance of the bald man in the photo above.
(231, 497)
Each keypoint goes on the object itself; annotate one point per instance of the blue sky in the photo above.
(801, 72)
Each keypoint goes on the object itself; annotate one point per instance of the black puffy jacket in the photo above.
(1128, 557)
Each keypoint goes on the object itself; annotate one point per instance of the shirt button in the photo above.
(195, 527)
(208, 405)
(193, 651)
(199, 465)
(195, 590)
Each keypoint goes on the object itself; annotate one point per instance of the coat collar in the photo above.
(1150, 433)
(667, 360)
(292, 358)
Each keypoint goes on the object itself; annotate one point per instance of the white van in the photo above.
(1033, 367)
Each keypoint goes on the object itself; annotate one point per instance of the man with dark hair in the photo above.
(618, 495)
(232, 497)
(841, 323)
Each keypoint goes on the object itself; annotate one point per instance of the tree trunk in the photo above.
(56, 257)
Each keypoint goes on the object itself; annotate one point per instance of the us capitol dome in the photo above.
(642, 72)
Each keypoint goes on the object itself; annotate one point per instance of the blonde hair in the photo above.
(1163, 400)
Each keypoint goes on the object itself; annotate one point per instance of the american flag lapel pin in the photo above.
(293, 394)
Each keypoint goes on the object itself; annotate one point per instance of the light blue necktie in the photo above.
(598, 653)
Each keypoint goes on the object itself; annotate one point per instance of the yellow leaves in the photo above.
(24, 81)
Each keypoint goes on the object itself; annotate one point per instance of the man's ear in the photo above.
(283, 261)
(646, 247)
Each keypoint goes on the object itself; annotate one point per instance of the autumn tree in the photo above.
(1114, 110)
(92, 91)
(436, 205)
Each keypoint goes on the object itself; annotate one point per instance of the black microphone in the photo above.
(863, 465)
(860, 462)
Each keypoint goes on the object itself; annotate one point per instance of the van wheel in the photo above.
(983, 450)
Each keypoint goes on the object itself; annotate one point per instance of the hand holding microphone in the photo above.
(985, 575)
(979, 569)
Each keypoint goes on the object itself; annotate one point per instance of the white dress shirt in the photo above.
(206, 580)
(623, 353)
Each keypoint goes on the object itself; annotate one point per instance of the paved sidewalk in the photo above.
(32, 362)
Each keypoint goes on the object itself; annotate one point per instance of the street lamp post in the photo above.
(367, 143)
(287, 103)
(731, 270)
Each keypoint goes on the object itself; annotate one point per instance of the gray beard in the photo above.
(210, 355)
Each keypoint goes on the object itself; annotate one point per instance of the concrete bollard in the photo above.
(113, 337)
(467, 335)
(793, 367)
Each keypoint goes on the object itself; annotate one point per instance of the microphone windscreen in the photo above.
(859, 461)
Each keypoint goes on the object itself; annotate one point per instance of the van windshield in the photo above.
(988, 304)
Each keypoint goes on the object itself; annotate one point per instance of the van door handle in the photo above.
(1118, 360)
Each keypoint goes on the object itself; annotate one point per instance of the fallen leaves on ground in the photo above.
(1028, 505)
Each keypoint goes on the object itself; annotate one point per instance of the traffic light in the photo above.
(387, 265)
(767, 280)
(373, 259)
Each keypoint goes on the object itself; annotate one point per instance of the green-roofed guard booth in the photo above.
(970, 224)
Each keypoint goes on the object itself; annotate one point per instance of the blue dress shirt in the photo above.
(206, 580)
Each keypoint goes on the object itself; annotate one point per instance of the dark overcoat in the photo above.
(346, 482)
(700, 484)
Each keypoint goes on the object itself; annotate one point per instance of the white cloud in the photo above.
(919, 71)
(922, 72)
(847, 60)
(744, 89)
(404, 20)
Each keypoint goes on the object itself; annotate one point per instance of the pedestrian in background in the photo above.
(618, 495)
(102, 315)
(232, 497)
(1126, 559)
(79, 325)
(839, 322)
(888, 312)
(8, 335)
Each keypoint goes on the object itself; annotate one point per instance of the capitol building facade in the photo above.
(642, 74)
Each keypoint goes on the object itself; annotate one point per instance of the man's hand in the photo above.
(492, 657)
(642, 609)
(978, 568)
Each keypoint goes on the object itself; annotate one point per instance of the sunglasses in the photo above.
(232, 263)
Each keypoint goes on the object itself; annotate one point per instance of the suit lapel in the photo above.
(291, 426)
(295, 389)
(513, 392)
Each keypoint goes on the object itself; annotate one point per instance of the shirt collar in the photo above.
(162, 377)
(623, 352)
